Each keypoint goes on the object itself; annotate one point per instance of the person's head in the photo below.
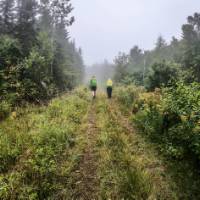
(93, 77)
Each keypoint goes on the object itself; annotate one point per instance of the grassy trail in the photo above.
(145, 156)
(86, 179)
(130, 168)
(79, 149)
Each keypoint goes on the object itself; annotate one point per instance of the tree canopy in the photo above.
(37, 57)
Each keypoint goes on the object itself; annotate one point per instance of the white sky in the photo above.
(105, 27)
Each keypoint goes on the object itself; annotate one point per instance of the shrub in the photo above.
(184, 101)
(161, 75)
(126, 95)
(10, 52)
(5, 109)
(173, 120)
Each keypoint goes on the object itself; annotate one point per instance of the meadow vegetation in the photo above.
(39, 148)
(169, 119)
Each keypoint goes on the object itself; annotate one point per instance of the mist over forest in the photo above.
(65, 134)
(35, 39)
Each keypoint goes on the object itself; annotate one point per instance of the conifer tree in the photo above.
(7, 16)
(26, 25)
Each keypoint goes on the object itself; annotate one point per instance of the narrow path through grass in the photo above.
(85, 177)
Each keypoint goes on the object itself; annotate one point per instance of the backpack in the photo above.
(93, 83)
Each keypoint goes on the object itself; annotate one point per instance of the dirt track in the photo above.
(87, 181)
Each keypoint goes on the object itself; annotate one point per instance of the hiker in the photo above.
(93, 86)
(109, 85)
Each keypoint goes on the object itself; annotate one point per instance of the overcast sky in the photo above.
(105, 27)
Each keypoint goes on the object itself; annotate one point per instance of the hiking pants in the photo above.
(109, 92)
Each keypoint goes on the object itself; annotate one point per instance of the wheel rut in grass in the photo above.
(87, 182)
(145, 156)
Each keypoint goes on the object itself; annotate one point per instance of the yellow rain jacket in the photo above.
(109, 83)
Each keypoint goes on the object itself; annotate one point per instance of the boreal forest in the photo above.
(127, 129)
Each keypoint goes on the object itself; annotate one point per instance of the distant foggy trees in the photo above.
(166, 62)
(121, 69)
(191, 44)
(37, 59)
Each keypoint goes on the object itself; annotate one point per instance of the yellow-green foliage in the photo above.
(170, 117)
(121, 177)
(126, 95)
(146, 99)
(171, 120)
(33, 143)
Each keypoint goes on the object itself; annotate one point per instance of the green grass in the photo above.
(42, 147)
(121, 177)
(39, 148)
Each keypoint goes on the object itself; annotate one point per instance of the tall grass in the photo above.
(121, 177)
(34, 144)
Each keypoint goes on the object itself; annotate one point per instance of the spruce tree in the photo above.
(191, 40)
(7, 16)
(26, 25)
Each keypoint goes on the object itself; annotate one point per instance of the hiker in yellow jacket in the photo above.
(109, 86)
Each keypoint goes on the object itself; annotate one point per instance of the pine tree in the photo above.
(46, 18)
(160, 43)
(26, 25)
(121, 62)
(7, 16)
(191, 39)
(135, 55)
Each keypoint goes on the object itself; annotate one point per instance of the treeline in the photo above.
(37, 58)
(166, 62)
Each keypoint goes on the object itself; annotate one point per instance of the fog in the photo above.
(105, 27)
(102, 72)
